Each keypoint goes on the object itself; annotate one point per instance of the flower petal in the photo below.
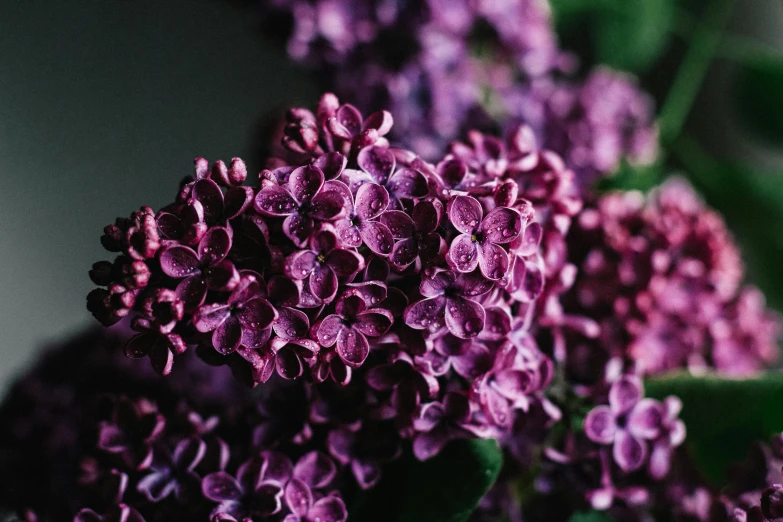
(600, 425)
(288, 364)
(427, 215)
(238, 200)
(374, 322)
(645, 419)
(464, 318)
(275, 201)
(221, 487)
(404, 253)
(305, 182)
(227, 336)
(625, 393)
(502, 225)
(210, 196)
(407, 184)
(298, 497)
(222, 277)
(349, 117)
(329, 329)
(377, 237)
(465, 214)
(371, 201)
(378, 162)
(629, 453)
(345, 263)
(327, 205)
(348, 233)
(291, 323)
(427, 445)
(179, 261)
(464, 253)
(331, 164)
(399, 223)
(257, 314)
(323, 282)
(156, 486)
(300, 264)
(214, 246)
(352, 347)
(492, 260)
(329, 509)
(298, 228)
(209, 317)
(315, 469)
(427, 314)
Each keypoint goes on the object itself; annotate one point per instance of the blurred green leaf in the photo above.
(590, 516)
(724, 417)
(632, 177)
(631, 34)
(758, 90)
(446, 488)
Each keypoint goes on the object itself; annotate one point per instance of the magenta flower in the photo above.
(350, 326)
(361, 225)
(130, 432)
(416, 234)
(380, 165)
(626, 423)
(324, 265)
(173, 473)
(481, 237)
(447, 302)
(257, 490)
(439, 422)
(201, 270)
(303, 202)
(245, 309)
(313, 471)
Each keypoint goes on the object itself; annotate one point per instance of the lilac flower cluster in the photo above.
(411, 286)
(445, 67)
(663, 278)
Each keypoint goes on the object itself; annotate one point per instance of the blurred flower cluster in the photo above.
(393, 280)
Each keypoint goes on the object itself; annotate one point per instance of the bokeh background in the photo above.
(104, 104)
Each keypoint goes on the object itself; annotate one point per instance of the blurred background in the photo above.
(105, 103)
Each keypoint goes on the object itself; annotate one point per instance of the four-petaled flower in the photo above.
(481, 237)
(360, 225)
(245, 309)
(416, 236)
(303, 202)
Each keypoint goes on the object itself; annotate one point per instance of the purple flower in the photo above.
(315, 470)
(447, 302)
(481, 237)
(173, 473)
(120, 513)
(245, 309)
(364, 448)
(416, 234)
(324, 265)
(201, 270)
(133, 427)
(626, 423)
(257, 490)
(437, 423)
(350, 326)
(303, 203)
(379, 164)
(360, 225)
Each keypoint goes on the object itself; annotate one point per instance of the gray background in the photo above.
(104, 104)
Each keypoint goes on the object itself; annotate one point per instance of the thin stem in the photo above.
(693, 69)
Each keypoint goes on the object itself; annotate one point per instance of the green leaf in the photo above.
(632, 34)
(446, 488)
(632, 177)
(590, 516)
(724, 417)
(758, 91)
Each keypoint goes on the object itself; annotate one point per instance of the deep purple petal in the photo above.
(156, 486)
(298, 497)
(404, 253)
(323, 282)
(426, 314)
(381, 121)
(210, 196)
(464, 318)
(222, 277)
(629, 453)
(465, 214)
(327, 206)
(497, 324)
(600, 425)
(179, 261)
(331, 164)
(288, 364)
(530, 239)
(399, 223)
(257, 314)
(407, 183)
(189, 452)
(349, 117)
(645, 419)
(492, 260)
(437, 284)
(502, 225)
(352, 347)
(371, 201)
(214, 246)
(315, 469)
(329, 329)
(139, 346)
(275, 201)
(238, 200)
(323, 242)
(345, 263)
(427, 445)
(291, 323)
(348, 233)
(427, 215)
(305, 182)
(464, 253)
(300, 264)
(329, 509)
(221, 487)
(377, 237)
(378, 162)
(209, 317)
(161, 357)
(374, 322)
(625, 393)
(227, 336)
(298, 228)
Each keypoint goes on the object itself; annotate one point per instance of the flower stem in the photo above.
(693, 69)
